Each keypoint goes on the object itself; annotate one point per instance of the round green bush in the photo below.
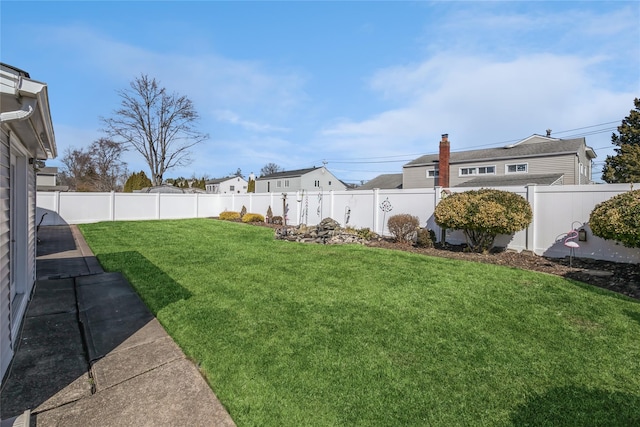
(618, 219)
(483, 214)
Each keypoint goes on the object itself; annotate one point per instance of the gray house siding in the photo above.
(5, 312)
(416, 177)
(306, 179)
(26, 135)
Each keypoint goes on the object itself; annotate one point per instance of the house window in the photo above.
(278, 184)
(316, 183)
(432, 173)
(478, 170)
(468, 171)
(329, 182)
(518, 168)
(232, 188)
(487, 170)
(286, 183)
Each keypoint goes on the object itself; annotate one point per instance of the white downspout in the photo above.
(27, 110)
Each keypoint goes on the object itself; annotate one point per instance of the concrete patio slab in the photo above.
(154, 398)
(150, 332)
(104, 336)
(120, 366)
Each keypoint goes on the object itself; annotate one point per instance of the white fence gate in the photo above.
(556, 211)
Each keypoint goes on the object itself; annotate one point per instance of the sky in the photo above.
(362, 86)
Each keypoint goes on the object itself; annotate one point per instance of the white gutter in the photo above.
(31, 96)
(27, 110)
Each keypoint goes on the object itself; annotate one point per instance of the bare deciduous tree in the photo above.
(269, 169)
(78, 169)
(158, 125)
(111, 171)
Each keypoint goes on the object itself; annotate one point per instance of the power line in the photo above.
(372, 160)
(587, 127)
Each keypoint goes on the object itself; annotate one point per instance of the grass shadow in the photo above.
(156, 288)
(633, 315)
(579, 406)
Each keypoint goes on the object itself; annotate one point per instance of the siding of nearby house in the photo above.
(224, 186)
(306, 179)
(321, 179)
(46, 177)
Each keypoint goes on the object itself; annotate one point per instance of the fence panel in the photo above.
(76, 208)
(560, 209)
(133, 206)
(556, 211)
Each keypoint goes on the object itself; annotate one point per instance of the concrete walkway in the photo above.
(91, 354)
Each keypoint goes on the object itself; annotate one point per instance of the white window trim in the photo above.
(506, 168)
(476, 170)
(436, 173)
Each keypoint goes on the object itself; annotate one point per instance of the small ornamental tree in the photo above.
(483, 214)
(618, 219)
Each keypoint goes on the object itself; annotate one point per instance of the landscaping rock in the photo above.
(327, 232)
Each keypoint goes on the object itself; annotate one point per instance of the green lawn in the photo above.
(295, 334)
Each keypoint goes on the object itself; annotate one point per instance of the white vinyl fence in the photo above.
(556, 211)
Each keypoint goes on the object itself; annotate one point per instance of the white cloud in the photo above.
(480, 101)
(231, 117)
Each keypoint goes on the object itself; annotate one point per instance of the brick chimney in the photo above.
(443, 161)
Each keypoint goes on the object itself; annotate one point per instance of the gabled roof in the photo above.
(519, 180)
(48, 170)
(384, 182)
(288, 174)
(219, 180)
(533, 146)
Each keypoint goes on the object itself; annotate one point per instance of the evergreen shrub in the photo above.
(483, 214)
(425, 238)
(618, 219)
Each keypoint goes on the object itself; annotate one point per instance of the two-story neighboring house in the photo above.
(227, 185)
(537, 159)
(312, 179)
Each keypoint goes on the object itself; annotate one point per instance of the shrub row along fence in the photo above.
(556, 211)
